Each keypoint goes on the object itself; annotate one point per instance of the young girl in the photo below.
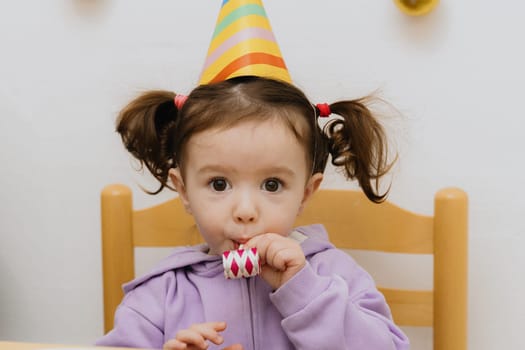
(245, 155)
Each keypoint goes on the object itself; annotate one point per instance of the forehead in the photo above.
(250, 144)
(254, 135)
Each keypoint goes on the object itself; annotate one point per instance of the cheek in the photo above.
(209, 217)
(206, 218)
(282, 219)
(211, 232)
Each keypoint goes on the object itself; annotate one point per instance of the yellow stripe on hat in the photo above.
(241, 49)
(263, 70)
(240, 24)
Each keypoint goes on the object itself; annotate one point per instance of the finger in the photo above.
(261, 242)
(213, 326)
(190, 336)
(174, 344)
(255, 241)
(210, 331)
(234, 347)
(278, 251)
(217, 326)
(278, 257)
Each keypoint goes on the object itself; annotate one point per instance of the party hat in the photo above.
(243, 44)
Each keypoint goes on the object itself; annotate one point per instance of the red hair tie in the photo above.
(324, 109)
(179, 101)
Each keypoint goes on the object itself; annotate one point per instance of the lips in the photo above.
(239, 238)
(237, 244)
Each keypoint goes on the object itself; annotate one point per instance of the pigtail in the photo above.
(144, 126)
(358, 143)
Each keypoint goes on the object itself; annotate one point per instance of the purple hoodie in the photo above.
(332, 303)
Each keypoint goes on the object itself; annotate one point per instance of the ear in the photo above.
(178, 183)
(311, 187)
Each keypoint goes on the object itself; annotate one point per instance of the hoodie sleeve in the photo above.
(332, 303)
(139, 319)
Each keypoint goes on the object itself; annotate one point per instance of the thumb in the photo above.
(234, 347)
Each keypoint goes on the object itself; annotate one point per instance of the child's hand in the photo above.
(281, 257)
(196, 337)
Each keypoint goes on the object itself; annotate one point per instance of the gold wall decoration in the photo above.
(416, 7)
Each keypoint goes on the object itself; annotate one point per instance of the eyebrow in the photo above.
(212, 169)
(270, 170)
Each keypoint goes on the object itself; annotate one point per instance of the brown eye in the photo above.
(219, 185)
(272, 185)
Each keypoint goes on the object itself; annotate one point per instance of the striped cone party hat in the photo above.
(243, 44)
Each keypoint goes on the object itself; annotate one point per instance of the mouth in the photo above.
(237, 245)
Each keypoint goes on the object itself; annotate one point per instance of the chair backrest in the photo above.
(352, 221)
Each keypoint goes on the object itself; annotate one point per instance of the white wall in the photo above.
(66, 67)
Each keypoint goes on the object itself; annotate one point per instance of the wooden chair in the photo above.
(352, 221)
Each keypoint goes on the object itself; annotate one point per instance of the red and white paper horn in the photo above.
(241, 263)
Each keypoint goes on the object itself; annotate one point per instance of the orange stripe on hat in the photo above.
(245, 61)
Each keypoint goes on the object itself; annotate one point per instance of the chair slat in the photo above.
(410, 307)
(354, 222)
(164, 225)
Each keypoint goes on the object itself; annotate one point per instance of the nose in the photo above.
(245, 210)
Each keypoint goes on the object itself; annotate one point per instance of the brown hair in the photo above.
(156, 132)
